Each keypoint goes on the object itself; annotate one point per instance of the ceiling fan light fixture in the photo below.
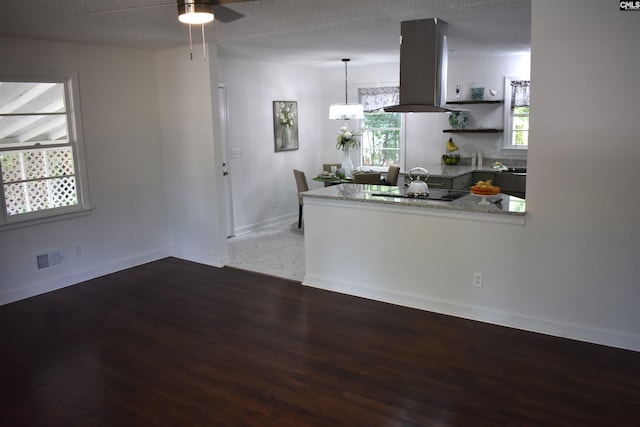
(195, 12)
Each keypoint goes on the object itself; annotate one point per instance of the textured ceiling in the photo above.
(310, 32)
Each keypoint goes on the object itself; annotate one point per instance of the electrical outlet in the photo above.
(77, 250)
(477, 280)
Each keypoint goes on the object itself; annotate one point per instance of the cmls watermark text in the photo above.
(630, 5)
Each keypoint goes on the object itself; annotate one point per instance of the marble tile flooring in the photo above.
(277, 250)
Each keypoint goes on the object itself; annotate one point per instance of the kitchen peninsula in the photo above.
(405, 250)
(500, 208)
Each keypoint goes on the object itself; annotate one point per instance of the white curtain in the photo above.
(375, 98)
(520, 93)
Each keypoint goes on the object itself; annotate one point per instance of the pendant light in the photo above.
(195, 12)
(346, 111)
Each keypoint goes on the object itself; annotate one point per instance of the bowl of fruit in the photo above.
(451, 159)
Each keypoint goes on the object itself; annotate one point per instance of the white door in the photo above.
(224, 135)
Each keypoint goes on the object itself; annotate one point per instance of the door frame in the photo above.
(226, 155)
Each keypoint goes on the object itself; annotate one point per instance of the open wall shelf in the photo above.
(484, 130)
(474, 102)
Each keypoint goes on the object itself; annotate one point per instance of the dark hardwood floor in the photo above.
(173, 343)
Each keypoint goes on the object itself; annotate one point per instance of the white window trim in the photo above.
(402, 149)
(402, 129)
(508, 124)
(74, 116)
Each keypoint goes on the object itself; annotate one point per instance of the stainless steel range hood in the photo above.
(423, 67)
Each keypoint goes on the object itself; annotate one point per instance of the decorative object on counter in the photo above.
(347, 164)
(346, 140)
(493, 92)
(484, 189)
(418, 186)
(458, 119)
(451, 159)
(346, 111)
(285, 125)
(499, 166)
(519, 163)
(451, 147)
(457, 93)
(477, 94)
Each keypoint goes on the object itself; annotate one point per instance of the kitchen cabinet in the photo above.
(483, 176)
(513, 184)
(462, 182)
(474, 130)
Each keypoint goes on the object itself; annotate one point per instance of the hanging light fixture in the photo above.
(195, 12)
(346, 111)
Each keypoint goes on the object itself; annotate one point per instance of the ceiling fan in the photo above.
(196, 12)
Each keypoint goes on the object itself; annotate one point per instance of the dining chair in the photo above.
(302, 185)
(367, 178)
(326, 167)
(392, 175)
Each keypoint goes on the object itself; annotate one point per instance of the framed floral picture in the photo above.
(285, 125)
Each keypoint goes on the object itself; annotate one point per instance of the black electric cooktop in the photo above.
(434, 194)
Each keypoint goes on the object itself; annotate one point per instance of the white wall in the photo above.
(487, 72)
(587, 248)
(190, 127)
(572, 269)
(263, 185)
(126, 176)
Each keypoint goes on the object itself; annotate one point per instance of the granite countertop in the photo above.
(509, 205)
(453, 171)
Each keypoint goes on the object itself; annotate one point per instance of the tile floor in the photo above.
(277, 250)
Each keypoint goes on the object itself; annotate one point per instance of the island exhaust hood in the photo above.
(423, 67)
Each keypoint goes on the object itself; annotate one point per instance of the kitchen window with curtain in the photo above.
(517, 95)
(381, 132)
(41, 153)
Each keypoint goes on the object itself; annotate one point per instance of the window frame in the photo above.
(70, 81)
(402, 129)
(507, 143)
(401, 133)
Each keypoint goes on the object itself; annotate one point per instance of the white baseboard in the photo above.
(267, 223)
(206, 259)
(513, 320)
(81, 276)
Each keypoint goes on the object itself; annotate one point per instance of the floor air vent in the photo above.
(49, 259)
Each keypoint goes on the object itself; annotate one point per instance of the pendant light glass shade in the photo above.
(346, 111)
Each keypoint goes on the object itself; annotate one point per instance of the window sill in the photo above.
(381, 169)
(37, 221)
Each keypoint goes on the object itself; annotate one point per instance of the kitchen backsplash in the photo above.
(488, 161)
